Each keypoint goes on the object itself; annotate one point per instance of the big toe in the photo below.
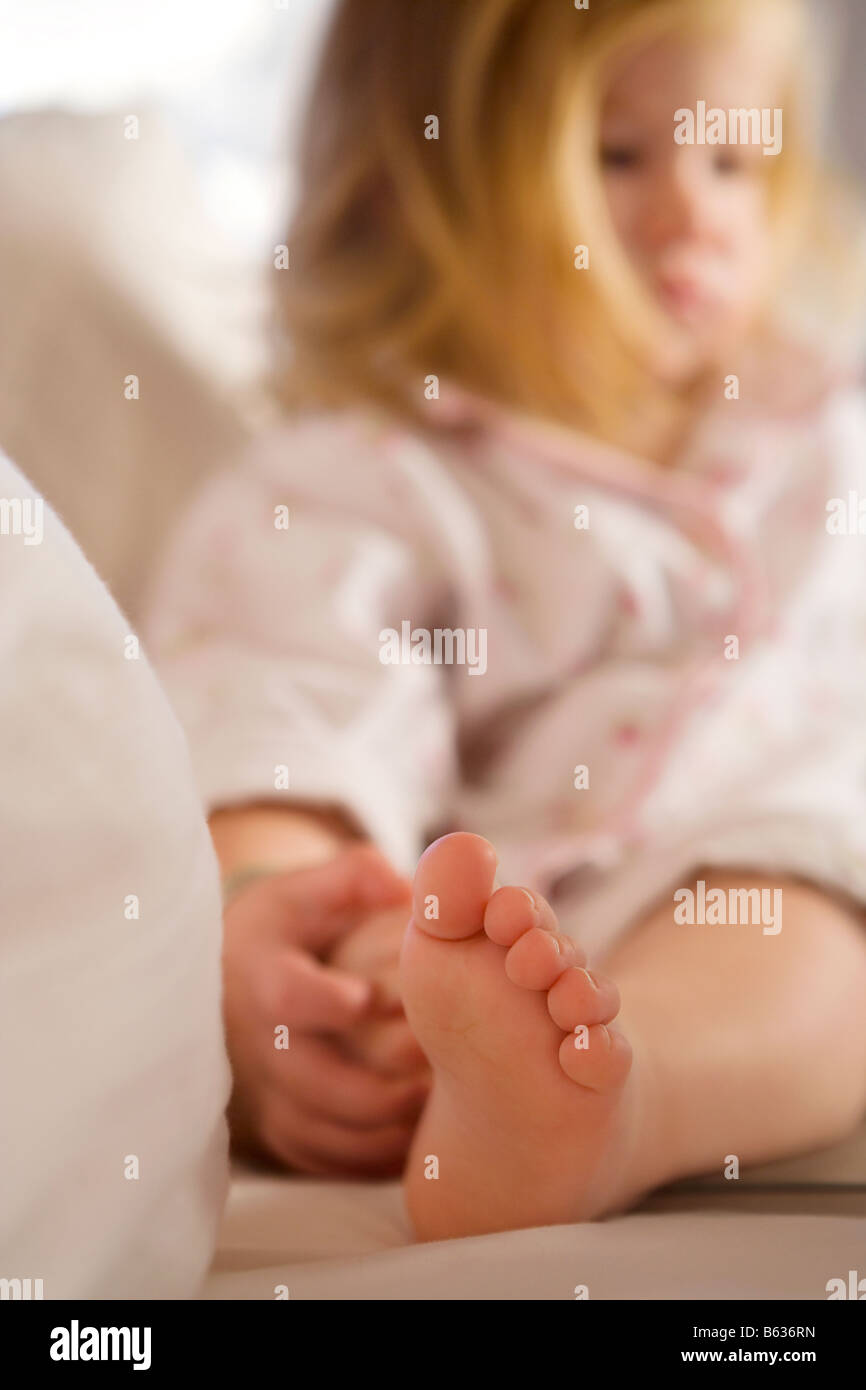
(453, 883)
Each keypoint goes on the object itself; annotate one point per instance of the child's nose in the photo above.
(678, 211)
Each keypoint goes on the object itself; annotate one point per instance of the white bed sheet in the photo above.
(781, 1233)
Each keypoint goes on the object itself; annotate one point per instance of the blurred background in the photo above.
(146, 176)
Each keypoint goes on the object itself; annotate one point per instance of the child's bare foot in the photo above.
(383, 1039)
(533, 1116)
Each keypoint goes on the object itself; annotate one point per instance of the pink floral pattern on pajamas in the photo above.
(699, 646)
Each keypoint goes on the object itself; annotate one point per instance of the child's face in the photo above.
(692, 217)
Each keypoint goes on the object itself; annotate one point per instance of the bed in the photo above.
(779, 1232)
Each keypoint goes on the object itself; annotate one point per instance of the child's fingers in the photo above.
(327, 1148)
(307, 995)
(389, 1046)
(325, 899)
(337, 1089)
(372, 949)
(387, 998)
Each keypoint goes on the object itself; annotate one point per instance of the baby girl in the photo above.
(573, 372)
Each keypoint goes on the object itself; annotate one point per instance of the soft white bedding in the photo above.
(347, 1241)
(113, 1160)
(781, 1232)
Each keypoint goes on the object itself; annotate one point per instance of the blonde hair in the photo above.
(453, 256)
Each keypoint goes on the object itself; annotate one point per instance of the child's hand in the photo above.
(382, 1039)
(310, 1105)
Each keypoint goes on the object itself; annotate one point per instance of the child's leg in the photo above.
(758, 1041)
(744, 1043)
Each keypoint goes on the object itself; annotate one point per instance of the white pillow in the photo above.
(113, 1075)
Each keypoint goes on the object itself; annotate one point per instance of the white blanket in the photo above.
(304, 1239)
(114, 1078)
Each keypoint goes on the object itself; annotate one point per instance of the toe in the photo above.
(453, 883)
(512, 911)
(598, 1058)
(581, 996)
(538, 957)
